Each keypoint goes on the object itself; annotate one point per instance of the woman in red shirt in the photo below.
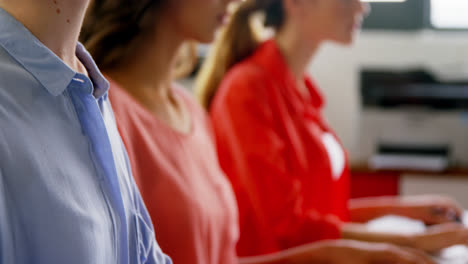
(289, 171)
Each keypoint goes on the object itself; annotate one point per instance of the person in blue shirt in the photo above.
(66, 191)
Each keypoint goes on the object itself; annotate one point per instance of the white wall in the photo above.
(336, 69)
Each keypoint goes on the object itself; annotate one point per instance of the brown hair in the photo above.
(236, 42)
(111, 28)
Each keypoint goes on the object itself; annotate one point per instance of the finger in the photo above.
(446, 227)
(421, 256)
(441, 214)
(437, 210)
(439, 219)
(396, 260)
(425, 260)
(453, 208)
(404, 257)
(462, 236)
(464, 240)
(454, 238)
(455, 214)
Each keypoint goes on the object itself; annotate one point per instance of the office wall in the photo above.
(336, 69)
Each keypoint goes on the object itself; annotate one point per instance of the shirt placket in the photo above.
(94, 128)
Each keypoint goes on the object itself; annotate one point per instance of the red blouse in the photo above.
(289, 173)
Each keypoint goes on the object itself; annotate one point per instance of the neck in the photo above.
(56, 23)
(296, 51)
(148, 75)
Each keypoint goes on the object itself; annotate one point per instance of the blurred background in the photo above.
(398, 98)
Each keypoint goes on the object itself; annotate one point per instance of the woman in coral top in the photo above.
(289, 171)
(166, 133)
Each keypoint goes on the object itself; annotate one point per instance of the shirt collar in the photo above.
(270, 57)
(101, 85)
(41, 62)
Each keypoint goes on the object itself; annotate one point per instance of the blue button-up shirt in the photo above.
(66, 191)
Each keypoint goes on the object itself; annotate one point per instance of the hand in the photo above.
(432, 209)
(442, 236)
(379, 253)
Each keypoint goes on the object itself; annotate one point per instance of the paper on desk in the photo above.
(403, 225)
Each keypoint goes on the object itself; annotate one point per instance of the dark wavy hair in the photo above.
(112, 28)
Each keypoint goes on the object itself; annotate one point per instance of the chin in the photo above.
(344, 42)
(205, 37)
(348, 42)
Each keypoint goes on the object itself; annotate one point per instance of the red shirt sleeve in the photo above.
(257, 160)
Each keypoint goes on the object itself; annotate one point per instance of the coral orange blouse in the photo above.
(190, 201)
(289, 172)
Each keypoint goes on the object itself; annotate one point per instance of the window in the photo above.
(397, 14)
(451, 14)
(417, 15)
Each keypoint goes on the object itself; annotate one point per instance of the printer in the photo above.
(410, 120)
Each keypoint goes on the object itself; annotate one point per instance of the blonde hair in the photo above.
(235, 42)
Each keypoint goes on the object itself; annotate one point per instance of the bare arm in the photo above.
(341, 252)
(434, 239)
(365, 209)
(311, 252)
(431, 209)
